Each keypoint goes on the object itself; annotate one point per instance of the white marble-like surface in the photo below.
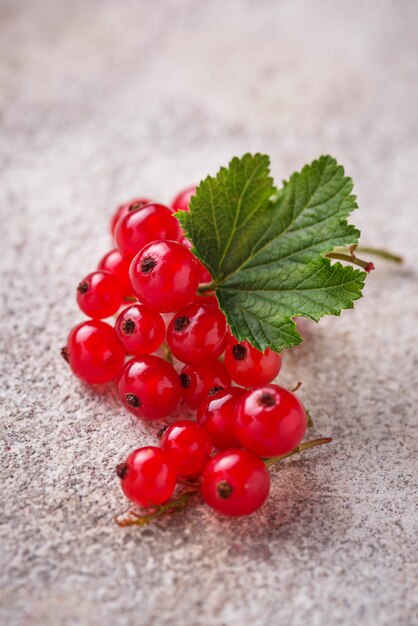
(101, 101)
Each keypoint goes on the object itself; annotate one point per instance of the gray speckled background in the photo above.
(102, 101)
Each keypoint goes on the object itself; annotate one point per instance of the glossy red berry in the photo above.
(140, 330)
(126, 208)
(148, 476)
(196, 333)
(164, 276)
(99, 294)
(182, 200)
(217, 416)
(149, 387)
(270, 421)
(210, 299)
(235, 482)
(189, 447)
(204, 275)
(144, 225)
(94, 352)
(203, 380)
(186, 243)
(249, 367)
(115, 263)
(228, 336)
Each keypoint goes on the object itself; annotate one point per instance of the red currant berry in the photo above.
(196, 333)
(204, 275)
(94, 352)
(188, 446)
(249, 367)
(149, 387)
(228, 336)
(208, 298)
(217, 416)
(115, 263)
(211, 300)
(148, 476)
(164, 276)
(140, 227)
(126, 208)
(187, 243)
(199, 381)
(182, 200)
(235, 482)
(99, 294)
(140, 330)
(270, 421)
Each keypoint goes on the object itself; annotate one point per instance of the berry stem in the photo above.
(130, 518)
(167, 353)
(303, 446)
(130, 299)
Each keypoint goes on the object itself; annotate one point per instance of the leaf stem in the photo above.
(351, 258)
(303, 446)
(207, 287)
(130, 518)
(379, 252)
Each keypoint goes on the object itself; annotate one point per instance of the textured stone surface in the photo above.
(101, 101)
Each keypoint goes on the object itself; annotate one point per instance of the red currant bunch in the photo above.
(157, 361)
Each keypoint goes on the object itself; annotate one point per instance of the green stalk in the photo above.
(177, 504)
(180, 502)
(207, 287)
(350, 258)
(379, 252)
(167, 353)
(303, 446)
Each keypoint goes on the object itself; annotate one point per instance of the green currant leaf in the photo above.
(266, 248)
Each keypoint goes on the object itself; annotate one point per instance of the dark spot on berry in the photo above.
(134, 206)
(128, 326)
(267, 399)
(132, 400)
(83, 287)
(184, 381)
(122, 470)
(214, 390)
(64, 354)
(224, 489)
(239, 352)
(181, 323)
(148, 264)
